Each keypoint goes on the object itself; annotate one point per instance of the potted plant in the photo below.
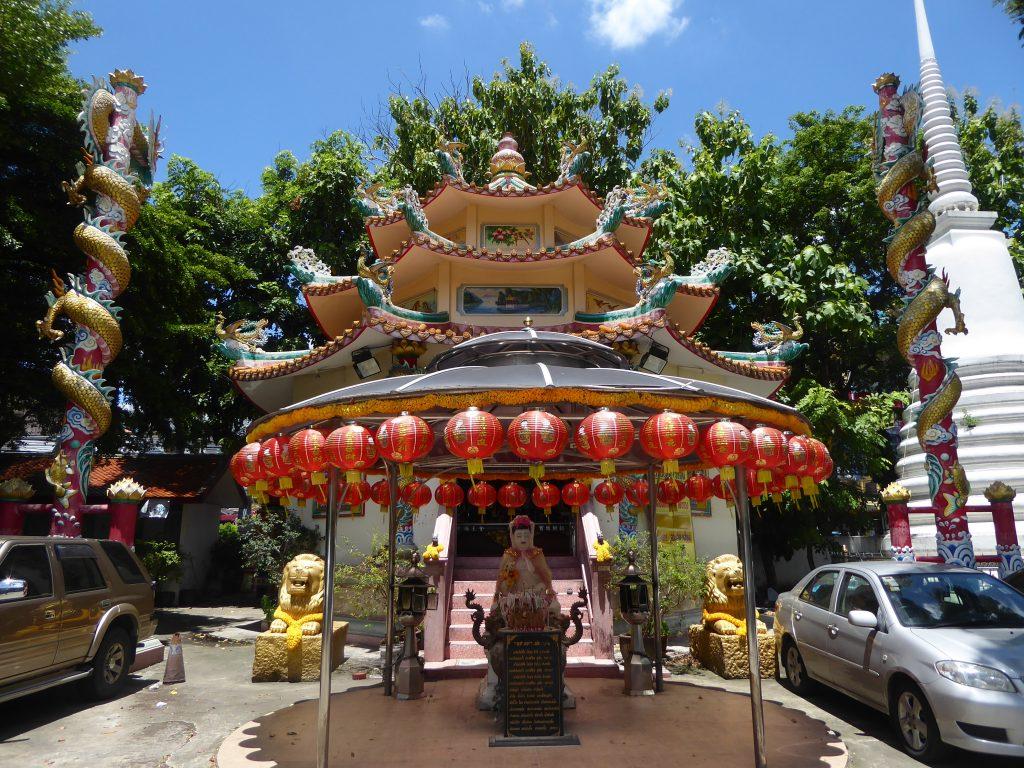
(681, 577)
(165, 565)
(269, 607)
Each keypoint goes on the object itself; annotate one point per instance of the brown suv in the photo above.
(70, 609)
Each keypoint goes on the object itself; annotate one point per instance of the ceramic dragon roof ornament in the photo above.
(120, 158)
(570, 165)
(244, 340)
(307, 268)
(902, 171)
(449, 156)
(375, 200)
(776, 343)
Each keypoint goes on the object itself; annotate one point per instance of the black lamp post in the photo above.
(635, 606)
(415, 597)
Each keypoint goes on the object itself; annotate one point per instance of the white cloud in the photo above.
(512, 5)
(629, 23)
(435, 22)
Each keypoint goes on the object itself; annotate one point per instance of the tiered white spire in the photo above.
(939, 132)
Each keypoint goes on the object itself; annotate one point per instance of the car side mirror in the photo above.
(13, 589)
(864, 619)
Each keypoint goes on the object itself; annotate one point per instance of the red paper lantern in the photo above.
(671, 492)
(537, 436)
(473, 435)
(575, 495)
(353, 449)
(796, 463)
(638, 493)
(307, 452)
(301, 488)
(769, 449)
(817, 455)
(416, 495)
(356, 494)
(669, 436)
(403, 439)
(608, 493)
(698, 488)
(756, 490)
(380, 494)
(275, 456)
(724, 489)
(727, 444)
(777, 486)
(449, 495)
(546, 495)
(824, 472)
(273, 489)
(245, 465)
(604, 436)
(482, 495)
(511, 496)
(319, 494)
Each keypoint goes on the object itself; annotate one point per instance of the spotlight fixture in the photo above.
(365, 363)
(655, 359)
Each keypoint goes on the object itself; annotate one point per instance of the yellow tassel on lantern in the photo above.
(607, 467)
(777, 498)
(285, 483)
(670, 466)
(353, 476)
(547, 513)
(727, 472)
(808, 486)
(262, 485)
(405, 471)
(474, 466)
(792, 481)
(764, 475)
(318, 478)
(536, 470)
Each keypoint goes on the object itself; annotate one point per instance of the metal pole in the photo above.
(652, 516)
(323, 714)
(389, 625)
(753, 655)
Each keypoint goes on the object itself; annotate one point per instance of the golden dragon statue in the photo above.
(112, 186)
(902, 170)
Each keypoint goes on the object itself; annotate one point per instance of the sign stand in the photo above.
(532, 691)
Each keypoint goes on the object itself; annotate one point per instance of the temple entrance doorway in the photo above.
(487, 535)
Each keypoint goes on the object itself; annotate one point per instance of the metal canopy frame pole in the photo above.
(652, 518)
(753, 654)
(389, 624)
(323, 713)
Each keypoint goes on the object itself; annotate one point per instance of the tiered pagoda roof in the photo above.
(465, 260)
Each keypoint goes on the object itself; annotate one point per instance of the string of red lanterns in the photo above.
(776, 462)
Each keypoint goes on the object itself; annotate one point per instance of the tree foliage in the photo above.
(541, 112)
(39, 145)
(1015, 10)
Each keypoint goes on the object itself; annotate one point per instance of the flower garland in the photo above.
(740, 624)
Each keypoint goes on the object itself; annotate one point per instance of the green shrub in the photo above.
(162, 559)
(270, 537)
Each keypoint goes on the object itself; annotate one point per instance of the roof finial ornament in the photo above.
(528, 322)
(954, 184)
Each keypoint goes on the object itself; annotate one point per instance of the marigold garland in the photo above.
(740, 624)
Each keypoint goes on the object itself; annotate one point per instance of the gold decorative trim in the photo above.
(16, 489)
(894, 493)
(595, 399)
(1000, 492)
(126, 489)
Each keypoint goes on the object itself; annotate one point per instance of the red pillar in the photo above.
(123, 515)
(11, 517)
(896, 497)
(1001, 497)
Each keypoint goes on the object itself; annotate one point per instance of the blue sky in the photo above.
(236, 82)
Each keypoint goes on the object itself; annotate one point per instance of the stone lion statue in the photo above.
(723, 597)
(301, 599)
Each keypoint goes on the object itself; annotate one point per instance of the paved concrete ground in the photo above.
(58, 728)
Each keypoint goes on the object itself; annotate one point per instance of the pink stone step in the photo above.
(486, 599)
(484, 587)
(468, 649)
(465, 631)
(491, 574)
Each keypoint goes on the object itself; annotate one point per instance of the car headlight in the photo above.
(975, 675)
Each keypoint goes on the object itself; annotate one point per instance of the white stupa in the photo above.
(990, 358)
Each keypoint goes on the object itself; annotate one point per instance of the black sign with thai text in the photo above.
(533, 683)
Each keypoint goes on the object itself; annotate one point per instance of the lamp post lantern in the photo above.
(415, 597)
(635, 605)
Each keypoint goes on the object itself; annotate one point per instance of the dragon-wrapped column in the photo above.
(900, 168)
(119, 159)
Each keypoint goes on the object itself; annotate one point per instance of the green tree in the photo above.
(39, 145)
(542, 114)
(1015, 10)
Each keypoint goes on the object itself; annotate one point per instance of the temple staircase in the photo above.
(479, 574)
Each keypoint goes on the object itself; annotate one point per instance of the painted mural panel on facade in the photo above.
(515, 299)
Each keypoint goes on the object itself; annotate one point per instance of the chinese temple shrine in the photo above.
(468, 260)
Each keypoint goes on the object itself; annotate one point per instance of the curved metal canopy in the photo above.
(507, 371)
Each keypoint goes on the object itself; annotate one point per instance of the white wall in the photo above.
(198, 533)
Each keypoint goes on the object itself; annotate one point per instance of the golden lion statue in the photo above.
(723, 598)
(301, 599)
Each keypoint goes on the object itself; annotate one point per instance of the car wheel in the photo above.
(796, 670)
(916, 725)
(110, 666)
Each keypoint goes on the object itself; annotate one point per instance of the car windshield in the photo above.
(934, 600)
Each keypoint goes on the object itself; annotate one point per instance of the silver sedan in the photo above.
(939, 648)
